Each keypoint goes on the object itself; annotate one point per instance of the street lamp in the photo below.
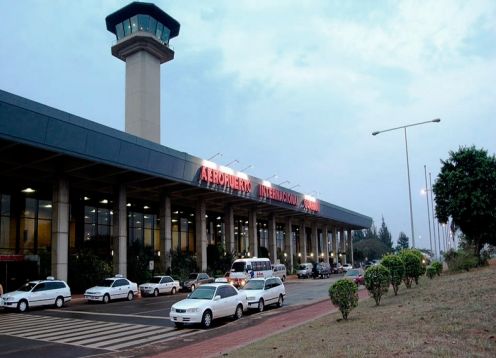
(275, 176)
(215, 155)
(246, 168)
(437, 120)
(284, 182)
(232, 162)
(428, 209)
(433, 216)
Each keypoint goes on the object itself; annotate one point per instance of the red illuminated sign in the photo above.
(217, 177)
(276, 194)
(11, 257)
(311, 205)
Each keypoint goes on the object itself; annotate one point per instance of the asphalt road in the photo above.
(121, 327)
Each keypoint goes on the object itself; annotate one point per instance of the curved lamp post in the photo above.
(437, 120)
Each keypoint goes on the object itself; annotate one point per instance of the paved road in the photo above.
(83, 329)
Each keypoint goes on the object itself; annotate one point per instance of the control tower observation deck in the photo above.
(143, 32)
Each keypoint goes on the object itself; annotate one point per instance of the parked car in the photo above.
(322, 270)
(196, 279)
(112, 288)
(356, 275)
(337, 268)
(37, 293)
(208, 302)
(262, 292)
(347, 267)
(280, 271)
(158, 285)
(304, 270)
(224, 278)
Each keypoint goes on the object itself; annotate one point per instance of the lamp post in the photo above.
(433, 216)
(428, 209)
(437, 120)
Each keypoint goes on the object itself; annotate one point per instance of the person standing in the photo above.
(1, 290)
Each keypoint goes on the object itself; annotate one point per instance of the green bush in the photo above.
(377, 281)
(138, 258)
(182, 264)
(431, 271)
(85, 270)
(396, 268)
(438, 266)
(344, 294)
(461, 260)
(412, 266)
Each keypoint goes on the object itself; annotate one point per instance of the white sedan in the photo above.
(111, 289)
(158, 285)
(208, 302)
(261, 292)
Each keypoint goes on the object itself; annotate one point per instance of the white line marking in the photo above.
(113, 314)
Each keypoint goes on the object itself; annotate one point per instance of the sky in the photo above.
(293, 88)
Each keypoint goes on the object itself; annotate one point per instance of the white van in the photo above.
(305, 270)
(244, 269)
(279, 270)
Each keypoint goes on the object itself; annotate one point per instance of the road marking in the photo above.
(111, 314)
(109, 336)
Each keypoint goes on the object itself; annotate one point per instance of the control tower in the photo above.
(143, 32)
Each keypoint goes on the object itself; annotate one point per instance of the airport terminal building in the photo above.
(68, 181)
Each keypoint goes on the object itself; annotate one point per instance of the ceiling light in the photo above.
(28, 190)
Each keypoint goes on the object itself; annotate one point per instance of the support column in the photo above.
(325, 239)
(315, 241)
(288, 244)
(229, 229)
(252, 233)
(165, 233)
(201, 235)
(350, 246)
(120, 231)
(272, 240)
(60, 229)
(303, 238)
(335, 244)
(342, 247)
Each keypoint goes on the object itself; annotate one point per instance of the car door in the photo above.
(270, 290)
(37, 295)
(167, 284)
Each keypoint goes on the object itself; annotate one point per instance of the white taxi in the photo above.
(261, 292)
(208, 302)
(112, 288)
(37, 293)
(158, 285)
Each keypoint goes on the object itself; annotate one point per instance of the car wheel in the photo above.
(261, 305)
(192, 288)
(173, 291)
(59, 302)
(206, 319)
(280, 301)
(155, 292)
(130, 296)
(239, 312)
(22, 306)
(106, 298)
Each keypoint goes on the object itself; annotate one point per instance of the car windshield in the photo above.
(155, 279)
(352, 273)
(106, 283)
(254, 285)
(192, 276)
(238, 267)
(27, 286)
(303, 267)
(203, 293)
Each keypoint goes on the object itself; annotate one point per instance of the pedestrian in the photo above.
(1, 290)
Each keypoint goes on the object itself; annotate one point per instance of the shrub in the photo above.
(396, 268)
(344, 294)
(85, 270)
(377, 281)
(461, 260)
(438, 266)
(431, 271)
(412, 267)
(182, 264)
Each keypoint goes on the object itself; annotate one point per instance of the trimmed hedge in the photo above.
(344, 294)
(396, 268)
(377, 281)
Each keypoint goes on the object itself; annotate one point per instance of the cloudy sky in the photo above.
(294, 88)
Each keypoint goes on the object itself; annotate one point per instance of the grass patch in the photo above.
(453, 315)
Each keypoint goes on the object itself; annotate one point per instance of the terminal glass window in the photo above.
(134, 24)
(119, 31)
(165, 35)
(7, 242)
(160, 28)
(144, 23)
(183, 231)
(44, 224)
(153, 25)
(127, 27)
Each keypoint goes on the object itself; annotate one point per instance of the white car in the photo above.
(261, 292)
(111, 289)
(347, 267)
(37, 293)
(208, 302)
(158, 285)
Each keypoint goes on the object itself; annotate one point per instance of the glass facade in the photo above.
(183, 230)
(144, 228)
(144, 23)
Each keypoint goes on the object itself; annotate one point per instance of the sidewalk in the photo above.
(274, 325)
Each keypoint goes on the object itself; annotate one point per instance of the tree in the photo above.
(412, 266)
(466, 191)
(377, 280)
(344, 294)
(385, 236)
(370, 249)
(396, 268)
(403, 242)
(358, 235)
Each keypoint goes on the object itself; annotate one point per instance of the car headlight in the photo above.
(8, 298)
(192, 310)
